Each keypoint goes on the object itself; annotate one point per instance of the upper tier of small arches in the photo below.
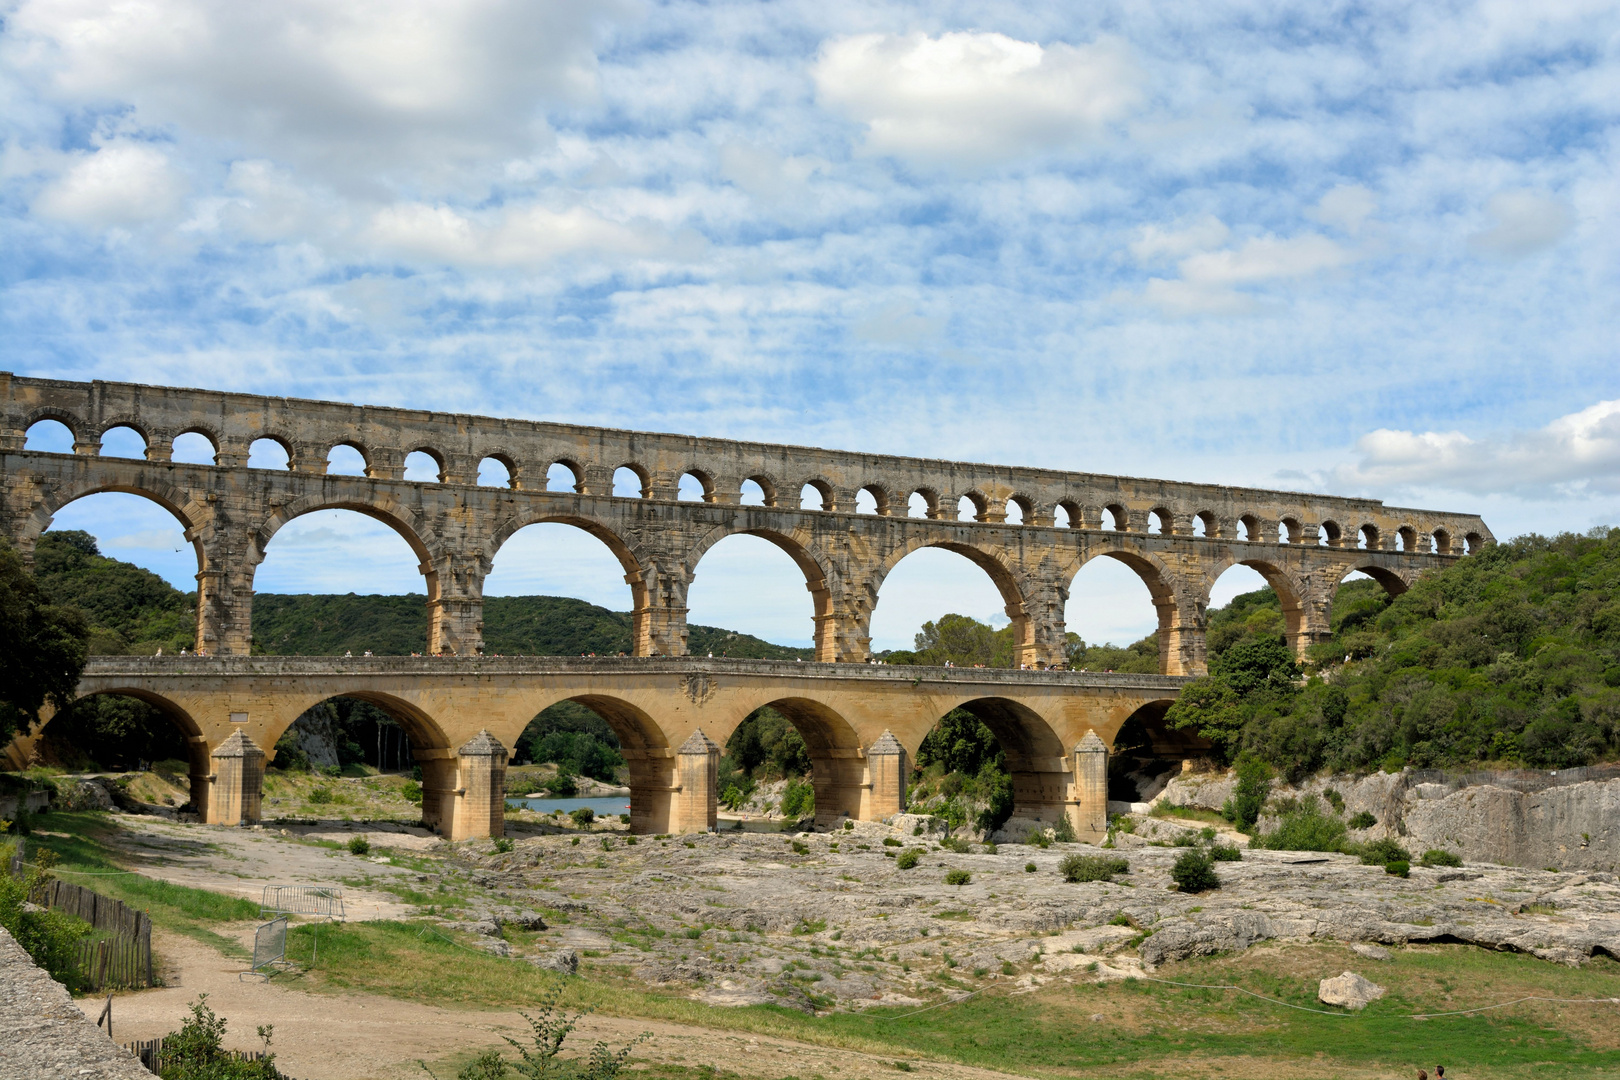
(1027, 498)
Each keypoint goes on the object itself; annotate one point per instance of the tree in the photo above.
(964, 642)
(43, 648)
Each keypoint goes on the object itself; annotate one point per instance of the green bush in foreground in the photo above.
(359, 845)
(583, 816)
(1383, 852)
(1304, 827)
(958, 877)
(1400, 868)
(548, 1031)
(908, 859)
(1440, 857)
(1194, 872)
(1092, 867)
(47, 936)
(196, 1051)
(1225, 853)
(1363, 820)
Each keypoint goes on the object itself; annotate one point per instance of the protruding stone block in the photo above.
(480, 796)
(236, 791)
(697, 771)
(1088, 810)
(886, 776)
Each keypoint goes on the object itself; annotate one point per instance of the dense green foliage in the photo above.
(1079, 867)
(197, 1050)
(43, 647)
(129, 610)
(47, 936)
(1194, 871)
(1511, 655)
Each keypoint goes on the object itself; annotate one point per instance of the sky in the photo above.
(1358, 248)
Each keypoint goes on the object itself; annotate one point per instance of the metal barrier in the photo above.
(269, 947)
(323, 901)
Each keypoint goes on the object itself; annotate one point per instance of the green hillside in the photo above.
(1509, 656)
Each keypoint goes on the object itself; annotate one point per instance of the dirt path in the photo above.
(367, 1037)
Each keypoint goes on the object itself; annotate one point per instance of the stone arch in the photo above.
(1035, 755)
(1180, 633)
(1475, 542)
(175, 500)
(1211, 523)
(432, 452)
(1144, 752)
(880, 498)
(930, 498)
(1303, 625)
(837, 770)
(1406, 539)
(125, 420)
(1394, 584)
(574, 468)
(367, 459)
(1006, 581)
(643, 477)
(820, 577)
(1026, 508)
(646, 750)
(1119, 515)
(976, 499)
(1368, 533)
(505, 460)
(767, 487)
(401, 519)
(286, 442)
(704, 477)
(823, 487)
(1072, 509)
(640, 568)
(1164, 518)
(1331, 533)
(72, 421)
(1252, 527)
(1440, 542)
(1290, 531)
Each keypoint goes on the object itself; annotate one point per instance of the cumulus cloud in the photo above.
(976, 98)
(121, 184)
(1525, 222)
(1346, 208)
(1577, 454)
(1211, 274)
(347, 90)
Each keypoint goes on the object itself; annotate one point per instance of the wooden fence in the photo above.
(149, 1052)
(119, 954)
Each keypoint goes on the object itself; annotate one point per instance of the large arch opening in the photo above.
(596, 738)
(352, 755)
(154, 744)
(49, 437)
(790, 760)
(759, 595)
(560, 588)
(339, 580)
(1147, 754)
(1114, 616)
(1254, 598)
(993, 766)
(936, 601)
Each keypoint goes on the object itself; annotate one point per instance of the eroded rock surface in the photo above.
(1349, 990)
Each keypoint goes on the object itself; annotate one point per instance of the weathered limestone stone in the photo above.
(44, 1035)
(1371, 952)
(698, 767)
(1088, 813)
(237, 786)
(563, 961)
(886, 767)
(1349, 990)
(480, 808)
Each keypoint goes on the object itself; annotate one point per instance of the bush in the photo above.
(1037, 838)
(1194, 872)
(956, 844)
(1249, 796)
(561, 784)
(359, 845)
(1400, 868)
(47, 936)
(583, 816)
(1092, 867)
(1029, 868)
(1305, 828)
(798, 799)
(909, 858)
(412, 791)
(1225, 853)
(1441, 857)
(1383, 852)
(1363, 820)
(889, 841)
(1063, 831)
(320, 796)
(958, 877)
(196, 1051)
(503, 845)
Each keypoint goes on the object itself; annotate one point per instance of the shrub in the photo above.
(798, 799)
(800, 849)
(1037, 838)
(956, 844)
(1305, 828)
(359, 845)
(1225, 853)
(1194, 872)
(1063, 831)
(1249, 796)
(849, 826)
(47, 936)
(583, 816)
(412, 791)
(1363, 820)
(889, 841)
(909, 858)
(503, 844)
(624, 819)
(958, 877)
(320, 796)
(197, 1052)
(1400, 868)
(1029, 868)
(1334, 799)
(1441, 857)
(1092, 867)
(561, 785)
(1383, 852)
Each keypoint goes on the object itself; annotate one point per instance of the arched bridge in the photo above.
(1031, 530)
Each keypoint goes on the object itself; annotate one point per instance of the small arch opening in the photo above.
(123, 441)
(1475, 542)
(422, 467)
(1018, 510)
(1248, 528)
(1289, 531)
(1367, 538)
(1406, 539)
(1328, 534)
(630, 483)
(1203, 524)
(970, 507)
(865, 502)
(753, 493)
(695, 487)
(920, 504)
(269, 453)
(564, 476)
(345, 459)
(49, 437)
(495, 472)
(1159, 522)
(813, 497)
(128, 732)
(1440, 542)
(1062, 516)
(193, 448)
(1112, 518)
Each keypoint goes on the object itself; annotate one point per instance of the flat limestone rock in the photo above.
(1349, 990)
(1371, 952)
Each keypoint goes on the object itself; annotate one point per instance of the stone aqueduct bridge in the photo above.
(1031, 531)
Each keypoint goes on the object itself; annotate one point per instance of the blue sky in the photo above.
(1359, 248)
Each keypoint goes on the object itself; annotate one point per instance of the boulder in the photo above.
(1349, 990)
(563, 961)
(1370, 952)
(1180, 938)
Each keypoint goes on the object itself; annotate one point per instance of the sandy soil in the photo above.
(367, 1037)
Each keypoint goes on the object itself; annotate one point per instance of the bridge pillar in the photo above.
(236, 789)
(455, 606)
(885, 788)
(697, 770)
(838, 777)
(479, 800)
(1088, 810)
(439, 784)
(652, 789)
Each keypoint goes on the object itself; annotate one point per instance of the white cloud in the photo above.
(1210, 276)
(1525, 222)
(1153, 243)
(1574, 455)
(1266, 258)
(123, 183)
(975, 98)
(517, 236)
(1347, 208)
